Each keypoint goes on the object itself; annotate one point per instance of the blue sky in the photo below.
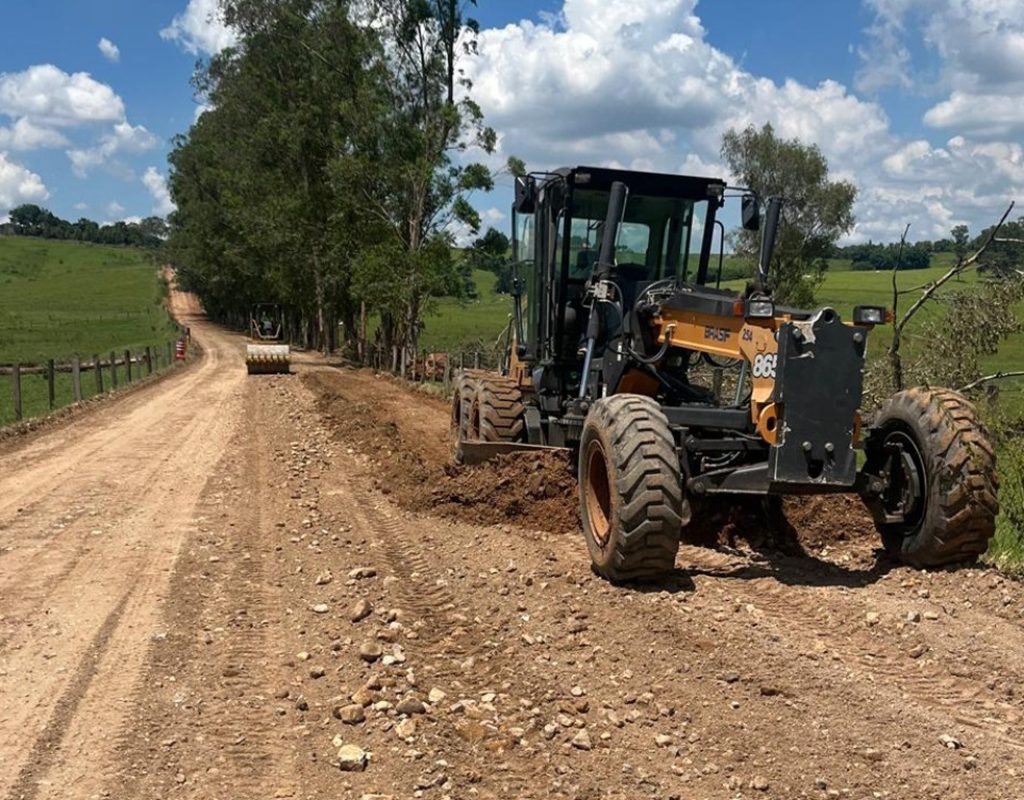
(918, 101)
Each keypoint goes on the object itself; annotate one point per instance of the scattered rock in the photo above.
(913, 616)
(361, 610)
(931, 615)
(351, 758)
(351, 714)
(917, 651)
(760, 783)
(410, 705)
(872, 618)
(406, 728)
(320, 608)
(581, 741)
(324, 578)
(435, 696)
(370, 651)
(362, 572)
(951, 742)
(317, 672)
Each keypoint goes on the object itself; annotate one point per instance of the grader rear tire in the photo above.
(631, 489)
(499, 410)
(942, 477)
(462, 427)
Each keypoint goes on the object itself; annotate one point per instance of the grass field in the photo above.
(62, 298)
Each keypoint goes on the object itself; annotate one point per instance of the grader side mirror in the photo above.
(526, 194)
(751, 213)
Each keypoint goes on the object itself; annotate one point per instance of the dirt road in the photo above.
(224, 587)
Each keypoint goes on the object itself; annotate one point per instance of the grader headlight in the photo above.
(759, 309)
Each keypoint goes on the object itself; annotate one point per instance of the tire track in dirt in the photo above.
(795, 611)
(86, 566)
(221, 587)
(46, 750)
(448, 638)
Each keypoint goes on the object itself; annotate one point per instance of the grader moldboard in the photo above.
(267, 353)
(613, 318)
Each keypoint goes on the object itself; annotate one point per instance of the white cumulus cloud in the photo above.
(26, 135)
(110, 51)
(156, 183)
(50, 97)
(200, 29)
(18, 185)
(124, 139)
(981, 47)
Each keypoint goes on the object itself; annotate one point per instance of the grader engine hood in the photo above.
(818, 385)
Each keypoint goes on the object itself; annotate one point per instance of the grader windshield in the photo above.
(655, 240)
(667, 231)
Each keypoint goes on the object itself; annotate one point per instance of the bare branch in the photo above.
(995, 376)
(957, 269)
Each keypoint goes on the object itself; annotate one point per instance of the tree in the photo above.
(331, 166)
(428, 118)
(961, 236)
(815, 214)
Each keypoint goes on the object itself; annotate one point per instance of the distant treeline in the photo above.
(32, 220)
(999, 258)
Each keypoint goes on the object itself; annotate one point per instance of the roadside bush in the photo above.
(1007, 548)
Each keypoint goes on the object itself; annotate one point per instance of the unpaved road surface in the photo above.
(209, 586)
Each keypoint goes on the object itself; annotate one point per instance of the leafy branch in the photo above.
(928, 292)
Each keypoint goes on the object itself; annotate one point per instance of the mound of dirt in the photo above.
(405, 435)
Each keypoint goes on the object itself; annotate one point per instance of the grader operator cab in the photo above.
(615, 331)
(267, 352)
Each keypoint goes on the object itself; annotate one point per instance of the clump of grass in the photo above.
(1007, 548)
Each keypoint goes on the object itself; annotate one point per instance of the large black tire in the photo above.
(461, 429)
(941, 468)
(631, 489)
(499, 411)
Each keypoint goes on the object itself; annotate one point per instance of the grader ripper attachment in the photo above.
(616, 331)
(267, 353)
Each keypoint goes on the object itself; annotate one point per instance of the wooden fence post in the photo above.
(149, 361)
(17, 392)
(113, 370)
(98, 367)
(76, 377)
(127, 366)
(476, 360)
(51, 377)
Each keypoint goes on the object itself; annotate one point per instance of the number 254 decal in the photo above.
(764, 365)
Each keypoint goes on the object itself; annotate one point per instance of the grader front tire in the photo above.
(941, 470)
(631, 489)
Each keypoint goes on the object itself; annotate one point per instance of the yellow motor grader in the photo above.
(614, 316)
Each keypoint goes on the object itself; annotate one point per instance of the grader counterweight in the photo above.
(615, 319)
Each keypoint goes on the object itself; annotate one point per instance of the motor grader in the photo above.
(617, 315)
(267, 353)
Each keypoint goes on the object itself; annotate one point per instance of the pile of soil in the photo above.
(404, 433)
